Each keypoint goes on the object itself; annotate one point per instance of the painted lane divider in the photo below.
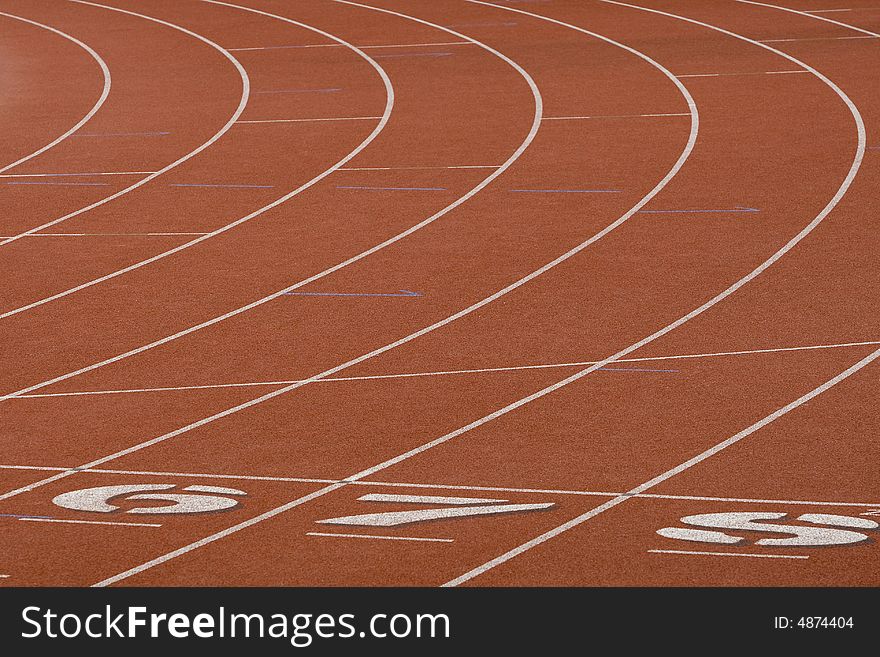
(568, 191)
(66, 184)
(84, 173)
(382, 538)
(338, 45)
(299, 91)
(737, 209)
(401, 293)
(394, 189)
(230, 186)
(121, 134)
(413, 54)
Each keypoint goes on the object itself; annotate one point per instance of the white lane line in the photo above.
(360, 256)
(827, 38)
(425, 499)
(360, 147)
(844, 187)
(719, 75)
(64, 175)
(613, 116)
(92, 522)
(335, 45)
(824, 11)
(245, 92)
(4, 576)
(58, 183)
(334, 118)
(455, 487)
(110, 235)
(483, 370)
(731, 554)
(458, 166)
(383, 538)
(105, 91)
(864, 33)
(686, 151)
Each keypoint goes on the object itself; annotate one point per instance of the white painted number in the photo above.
(454, 507)
(100, 499)
(818, 534)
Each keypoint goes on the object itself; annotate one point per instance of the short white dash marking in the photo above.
(827, 38)
(731, 554)
(425, 499)
(314, 120)
(613, 116)
(459, 166)
(717, 75)
(337, 45)
(383, 538)
(64, 175)
(92, 522)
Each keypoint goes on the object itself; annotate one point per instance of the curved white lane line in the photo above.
(105, 91)
(691, 141)
(857, 160)
(383, 120)
(245, 93)
(478, 188)
(813, 16)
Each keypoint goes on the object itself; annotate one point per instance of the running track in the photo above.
(612, 261)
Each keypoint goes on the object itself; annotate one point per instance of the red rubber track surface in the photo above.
(578, 128)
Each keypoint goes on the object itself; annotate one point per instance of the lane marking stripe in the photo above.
(717, 75)
(514, 368)
(105, 91)
(227, 186)
(612, 116)
(360, 147)
(60, 175)
(92, 522)
(826, 38)
(460, 166)
(568, 191)
(154, 133)
(245, 93)
(393, 189)
(46, 182)
(331, 118)
(336, 45)
(379, 537)
(462, 487)
(110, 234)
(731, 554)
(300, 91)
(867, 33)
